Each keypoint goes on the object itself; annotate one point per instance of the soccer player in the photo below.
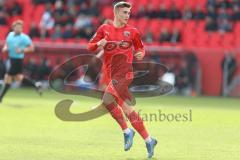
(117, 40)
(17, 44)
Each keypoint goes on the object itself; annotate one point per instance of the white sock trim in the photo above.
(127, 131)
(148, 139)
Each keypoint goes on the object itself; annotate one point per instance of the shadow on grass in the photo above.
(14, 105)
(143, 159)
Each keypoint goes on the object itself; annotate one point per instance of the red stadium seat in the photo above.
(179, 4)
(38, 12)
(142, 25)
(166, 24)
(107, 12)
(202, 40)
(214, 40)
(200, 26)
(4, 30)
(228, 40)
(178, 24)
(190, 25)
(155, 28)
(237, 28)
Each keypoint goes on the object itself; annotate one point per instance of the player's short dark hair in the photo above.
(122, 4)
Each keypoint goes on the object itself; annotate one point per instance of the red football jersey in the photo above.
(118, 52)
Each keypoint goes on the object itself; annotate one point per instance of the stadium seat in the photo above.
(107, 12)
(228, 41)
(214, 40)
(4, 30)
(178, 24)
(202, 40)
(142, 25)
(38, 12)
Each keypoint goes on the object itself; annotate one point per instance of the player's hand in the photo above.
(4, 49)
(139, 55)
(102, 42)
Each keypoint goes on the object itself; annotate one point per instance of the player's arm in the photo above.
(138, 46)
(98, 40)
(5, 48)
(29, 49)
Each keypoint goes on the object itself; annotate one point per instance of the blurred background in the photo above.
(198, 40)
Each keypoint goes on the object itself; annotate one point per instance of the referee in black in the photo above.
(17, 44)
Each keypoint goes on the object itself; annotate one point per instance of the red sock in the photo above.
(117, 114)
(137, 123)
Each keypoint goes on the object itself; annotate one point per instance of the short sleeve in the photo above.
(28, 41)
(98, 35)
(137, 42)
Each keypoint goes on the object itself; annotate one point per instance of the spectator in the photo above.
(151, 13)
(31, 68)
(174, 13)
(236, 13)
(93, 9)
(223, 14)
(57, 32)
(149, 36)
(14, 8)
(165, 35)
(59, 7)
(223, 4)
(34, 31)
(84, 9)
(236, 2)
(3, 18)
(44, 33)
(176, 36)
(229, 66)
(47, 21)
(44, 69)
(183, 80)
(162, 12)
(187, 13)
(65, 19)
(80, 2)
(68, 32)
(198, 14)
(211, 24)
(83, 21)
(2, 6)
(211, 3)
(225, 26)
(141, 12)
(211, 12)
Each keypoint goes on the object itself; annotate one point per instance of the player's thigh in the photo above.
(8, 78)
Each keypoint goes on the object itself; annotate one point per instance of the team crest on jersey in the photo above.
(126, 33)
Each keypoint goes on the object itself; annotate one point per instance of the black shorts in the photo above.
(16, 67)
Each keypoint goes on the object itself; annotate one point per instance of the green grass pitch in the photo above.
(29, 129)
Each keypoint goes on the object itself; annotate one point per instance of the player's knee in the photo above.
(127, 109)
(19, 77)
(108, 99)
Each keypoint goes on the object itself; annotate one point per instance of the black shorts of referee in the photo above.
(16, 67)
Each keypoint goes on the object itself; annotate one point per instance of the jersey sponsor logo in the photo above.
(121, 44)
